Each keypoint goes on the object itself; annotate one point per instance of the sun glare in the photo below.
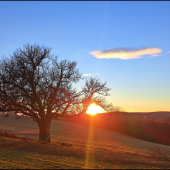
(94, 109)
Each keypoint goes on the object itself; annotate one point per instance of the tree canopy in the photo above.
(34, 83)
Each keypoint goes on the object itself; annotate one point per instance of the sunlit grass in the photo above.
(20, 154)
(42, 156)
(76, 146)
(11, 159)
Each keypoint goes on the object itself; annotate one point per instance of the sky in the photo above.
(126, 44)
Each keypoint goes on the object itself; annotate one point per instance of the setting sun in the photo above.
(94, 109)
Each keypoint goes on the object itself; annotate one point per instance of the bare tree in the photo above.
(35, 84)
(111, 108)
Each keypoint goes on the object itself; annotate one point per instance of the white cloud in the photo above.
(87, 74)
(167, 52)
(126, 53)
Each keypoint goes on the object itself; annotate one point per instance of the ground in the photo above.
(77, 146)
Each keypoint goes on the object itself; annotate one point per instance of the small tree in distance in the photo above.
(34, 83)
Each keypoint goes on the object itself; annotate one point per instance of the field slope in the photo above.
(76, 146)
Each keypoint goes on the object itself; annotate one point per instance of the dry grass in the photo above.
(97, 154)
(12, 135)
(73, 144)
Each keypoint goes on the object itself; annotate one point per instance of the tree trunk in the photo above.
(44, 133)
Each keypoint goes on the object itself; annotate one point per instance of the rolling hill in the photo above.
(77, 146)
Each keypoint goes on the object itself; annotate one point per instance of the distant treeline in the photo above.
(151, 127)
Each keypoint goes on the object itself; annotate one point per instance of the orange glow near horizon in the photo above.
(94, 109)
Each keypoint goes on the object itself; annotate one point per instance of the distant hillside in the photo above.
(153, 126)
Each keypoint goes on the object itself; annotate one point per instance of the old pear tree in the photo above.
(34, 83)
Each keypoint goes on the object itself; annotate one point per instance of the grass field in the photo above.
(76, 146)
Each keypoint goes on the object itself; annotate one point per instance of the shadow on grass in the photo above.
(11, 135)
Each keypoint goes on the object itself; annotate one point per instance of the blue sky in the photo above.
(126, 44)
